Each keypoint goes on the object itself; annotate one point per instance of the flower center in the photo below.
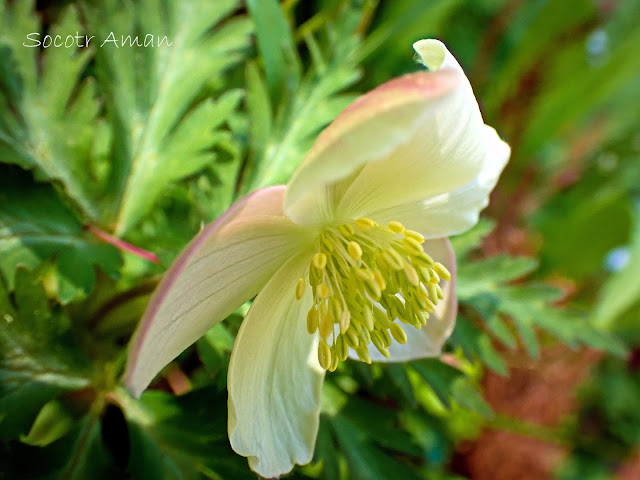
(367, 279)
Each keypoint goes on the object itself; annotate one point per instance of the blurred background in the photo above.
(111, 159)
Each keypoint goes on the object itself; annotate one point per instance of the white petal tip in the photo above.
(432, 53)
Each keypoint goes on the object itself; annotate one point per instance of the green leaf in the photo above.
(540, 38)
(38, 355)
(564, 102)
(469, 398)
(184, 437)
(364, 459)
(489, 274)
(476, 343)
(439, 376)
(214, 348)
(47, 112)
(325, 451)
(384, 431)
(76, 456)
(308, 106)
(276, 47)
(164, 123)
(259, 109)
(35, 226)
(398, 374)
(485, 286)
(471, 239)
(570, 217)
(53, 422)
(622, 290)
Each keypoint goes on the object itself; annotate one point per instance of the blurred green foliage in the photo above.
(147, 144)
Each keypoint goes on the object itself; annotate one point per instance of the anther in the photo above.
(442, 271)
(327, 243)
(412, 275)
(365, 224)
(433, 293)
(398, 333)
(334, 361)
(300, 288)
(396, 227)
(326, 325)
(312, 320)
(413, 246)
(351, 338)
(413, 234)
(378, 341)
(320, 260)
(324, 355)
(346, 230)
(381, 318)
(372, 289)
(393, 259)
(367, 281)
(369, 319)
(363, 354)
(355, 251)
(379, 280)
(345, 321)
(424, 274)
(385, 337)
(341, 348)
(322, 291)
(363, 334)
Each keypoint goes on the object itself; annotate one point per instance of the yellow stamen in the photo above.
(334, 361)
(398, 333)
(326, 325)
(379, 280)
(355, 251)
(365, 223)
(442, 271)
(414, 235)
(320, 261)
(324, 355)
(363, 354)
(396, 227)
(345, 321)
(412, 275)
(368, 280)
(312, 320)
(322, 291)
(300, 288)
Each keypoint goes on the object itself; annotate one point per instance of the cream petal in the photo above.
(369, 130)
(274, 379)
(435, 56)
(225, 265)
(446, 151)
(415, 137)
(452, 212)
(428, 342)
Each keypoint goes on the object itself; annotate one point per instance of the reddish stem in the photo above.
(122, 245)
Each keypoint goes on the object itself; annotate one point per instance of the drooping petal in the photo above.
(452, 212)
(274, 378)
(414, 137)
(225, 265)
(428, 342)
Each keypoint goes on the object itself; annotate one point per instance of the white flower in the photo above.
(336, 267)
